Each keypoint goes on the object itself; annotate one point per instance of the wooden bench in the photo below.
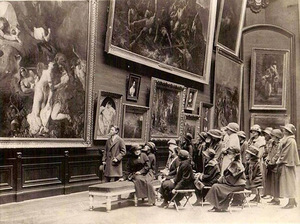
(111, 189)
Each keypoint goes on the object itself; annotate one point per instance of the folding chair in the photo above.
(202, 199)
(244, 192)
(187, 194)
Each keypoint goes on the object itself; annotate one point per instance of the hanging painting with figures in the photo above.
(228, 90)
(191, 124)
(173, 36)
(133, 87)
(108, 114)
(269, 72)
(135, 124)
(45, 77)
(191, 98)
(166, 101)
(205, 116)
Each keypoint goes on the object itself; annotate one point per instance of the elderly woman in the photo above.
(287, 162)
(140, 174)
(233, 179)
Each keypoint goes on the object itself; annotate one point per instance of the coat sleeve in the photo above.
(185, 174)
(146, 166)
(289, 154)
(104, 153)
(122, 152)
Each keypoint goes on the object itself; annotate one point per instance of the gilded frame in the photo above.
(196, 67)
(133, 95)
(232, 32)
(140, 115)
(274, 120)
(166, 101)
(43, 135)
(265, 96)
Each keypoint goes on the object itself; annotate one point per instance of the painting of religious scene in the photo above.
(135, 121)
(191, 124)
(269, 79)
(230, 25)
(43, 69)
(167, 105)
(171, 35)
(228, 90)
(108, 114)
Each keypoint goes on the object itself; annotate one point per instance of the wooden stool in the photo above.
(187, 194)
(244, 192)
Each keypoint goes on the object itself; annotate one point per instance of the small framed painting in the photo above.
(205, 116)
(191, 124)
(191, 99)
(133, 87)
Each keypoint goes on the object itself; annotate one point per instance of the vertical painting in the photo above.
(108, 114)
(133, 87)
(135, 124)
(173, 36)
(46, 71)
(166, 100)
(191, 124)
(230, 25)
(269, 120)
(269, 71)
(228, 90)
(191, 98)
(205, 116)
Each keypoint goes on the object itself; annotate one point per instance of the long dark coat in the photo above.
(232, 180)
(143, 182)
(115, 149)
(253, 174)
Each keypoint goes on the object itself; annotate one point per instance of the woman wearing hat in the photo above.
(233, 179)
(150, 150)
(139, 173)
(198, 158)
(287, 162)
(209, 177)
(214, 141)
(257, 140)
(243, 145)
(188, 145)
(184, 179)
(272, 178)
(253, 171)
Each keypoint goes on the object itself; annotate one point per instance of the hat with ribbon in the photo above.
(241, 134)
(234, 127)
(253, 150)
(277, 133)
(255, 127)
(183, 154)
(209, 153)
(267, 130)
(290, 128)
(215, 133)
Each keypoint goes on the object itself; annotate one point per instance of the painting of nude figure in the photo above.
(44, 73)
(175, 36)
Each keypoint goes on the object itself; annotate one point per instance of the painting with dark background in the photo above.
(270, 120)
(175, 33)
(133, 125)
(43, 68)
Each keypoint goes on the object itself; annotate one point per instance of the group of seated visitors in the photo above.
(219, 163)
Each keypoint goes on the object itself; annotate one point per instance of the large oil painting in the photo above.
(228, 90)
(230, 25)
(269, 72)
(135, 124)
(166, 100)
(173, 36)
(45, 50)
(109, 110)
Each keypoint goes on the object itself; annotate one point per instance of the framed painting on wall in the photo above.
(227, 90)
(166, 104)
(269, 73)
(135, 124)
(230, 25)
(206, 116)
(191, 124)
(46, 70)
(269, 120)
(172, 36)
(191, 98)
(109, 110)
(133, 87)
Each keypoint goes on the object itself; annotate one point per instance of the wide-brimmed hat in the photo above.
(277, 133)
(232, 126)
(290, 128)
(241, 134)
(135, 147)
(234, 150)
(215, 133)
(209, 153)
(267, 130)
(151, 145)
(255, 127)
(253, 150)
(183, 154)
(202, 135)
(188, 136)
(172, 142)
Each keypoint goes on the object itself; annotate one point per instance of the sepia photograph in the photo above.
(269, 70)
(173, 36)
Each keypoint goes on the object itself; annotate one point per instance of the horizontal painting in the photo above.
(135, 124)
(270, 120)
(228, 90)
(166, 100)
(269, 72)
(191, 124)
(108, 114)
(173, 36)
(46, 73)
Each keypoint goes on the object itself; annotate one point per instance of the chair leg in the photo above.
(173, 200)
(91, 202)
(108, 203)
(135, 200)
(246, 201)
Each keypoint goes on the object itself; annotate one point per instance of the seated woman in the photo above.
(253, 170)
(184, 179)
(139, 173)
(233, 179)
(150, 150)
(209, 177)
